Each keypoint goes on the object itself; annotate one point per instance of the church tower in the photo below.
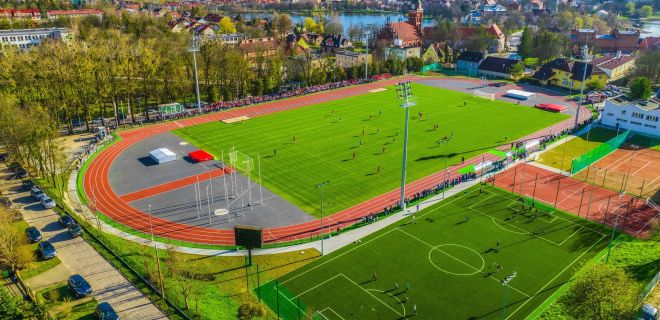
(416, 16)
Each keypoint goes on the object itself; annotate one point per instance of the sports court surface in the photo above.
(445, 263)
(634, 168)
(585, 200)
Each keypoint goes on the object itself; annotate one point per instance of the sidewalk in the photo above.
(78, 257)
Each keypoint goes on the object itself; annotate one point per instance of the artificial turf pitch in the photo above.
(447, 261)
(371, 126)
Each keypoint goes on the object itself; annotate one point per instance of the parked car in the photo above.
(36, 193)
(27, 184)
(47, 250)
(79, 286)
(66, 220)
(104, 311)
(648, 312)
(47, 202)
(33, 235)
(75, 230)
(6, 202)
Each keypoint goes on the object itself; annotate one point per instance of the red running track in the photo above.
(580, 198)
(98, 189)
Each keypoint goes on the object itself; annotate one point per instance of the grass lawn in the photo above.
(574, 148)
(37, 265)
(449, 263)
(371, 126)
(59, 302)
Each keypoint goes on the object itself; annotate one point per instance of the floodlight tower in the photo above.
(366, 57)
(404, 90)
(194, 48)
(585, 56)
(321, 186)
(505, 283)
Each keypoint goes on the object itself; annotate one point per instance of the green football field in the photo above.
(371, 127)
(444, 264)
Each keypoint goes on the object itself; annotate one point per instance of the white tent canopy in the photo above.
(520, 95)
(162, 155)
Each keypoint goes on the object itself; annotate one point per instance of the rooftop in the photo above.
(22, 32)
(648, 105)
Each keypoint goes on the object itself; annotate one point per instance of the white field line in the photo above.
(558, 274)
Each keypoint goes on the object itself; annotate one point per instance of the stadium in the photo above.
(319, 166)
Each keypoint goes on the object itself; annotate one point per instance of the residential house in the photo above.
(638, 116)
(493, 9)
(334, 42)
(616, 40)
(469, 61)
(513, 5)
(649, 43)
(253, 48)
(348, 59)
(231, 38)
(615, 66)
(79, 13)
(20, 14)
(403, 53)
(499, 67)
(569, 74)
(434, 53)
(28, 38)
(496, 36)
(204, 31)
(213, 18)
(176, 26)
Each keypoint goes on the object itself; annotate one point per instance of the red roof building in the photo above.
(616, 40)
(649, 43)
(32, 14)
(54, 14)
(496, 35)
(406, 33)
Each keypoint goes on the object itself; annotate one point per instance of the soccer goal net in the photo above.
(485, 95)
(241, 161)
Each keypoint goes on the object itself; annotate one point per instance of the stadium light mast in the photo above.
(404, 90)
(505, 283)
(160, 273)
(194, 48)
(446, 140)
(585, 56)
(321, 186)
(366, 57)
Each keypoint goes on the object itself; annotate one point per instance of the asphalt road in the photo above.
(79, 257)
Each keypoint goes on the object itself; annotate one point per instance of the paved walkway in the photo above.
(50, 277)
(79, 257)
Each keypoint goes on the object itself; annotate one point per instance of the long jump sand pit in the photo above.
(236, 119)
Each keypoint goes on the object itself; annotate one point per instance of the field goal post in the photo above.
(485, 95)
(247, 165)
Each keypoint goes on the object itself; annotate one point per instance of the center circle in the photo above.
(456, 259)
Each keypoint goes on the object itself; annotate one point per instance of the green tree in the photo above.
(226, 25)
(10, 307)
(648, 65)
(646, 11)
(526, 42)
(595, 85)
(309, 24)
(517, 70)
(602, 292)
(630, 8)
(640, 88)
(249, 311)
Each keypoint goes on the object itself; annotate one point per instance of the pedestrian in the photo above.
(340, 118)
(333, 112)
(406, 299)
(465, 103)
(414, 309)
(467, 218)
(383, 150)
(373, 277)
(378, 169)
(354, 155)
(414, 220)
(363, 132)
(462, 159)
(380, 112)
(360, 141)
(274, 152)
(418, 207)
(407, 287)
(497, 245)
(369, 117)
(396, 286)
(294, 139)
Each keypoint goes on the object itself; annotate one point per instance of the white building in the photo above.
(231, 38)
(26, 38)
(637, 116)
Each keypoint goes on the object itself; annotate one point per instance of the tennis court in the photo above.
(446, 263)
(634, 168)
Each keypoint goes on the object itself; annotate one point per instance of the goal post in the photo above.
(482, 94)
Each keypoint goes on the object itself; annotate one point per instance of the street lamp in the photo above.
(160, 273)
(194, 48)
(446, 140)
(404, 89)
(585, 56)
(366, 58)
(321, 186)
(505, 283)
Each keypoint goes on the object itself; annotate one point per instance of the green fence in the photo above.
(431, 67)
(599, 152)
